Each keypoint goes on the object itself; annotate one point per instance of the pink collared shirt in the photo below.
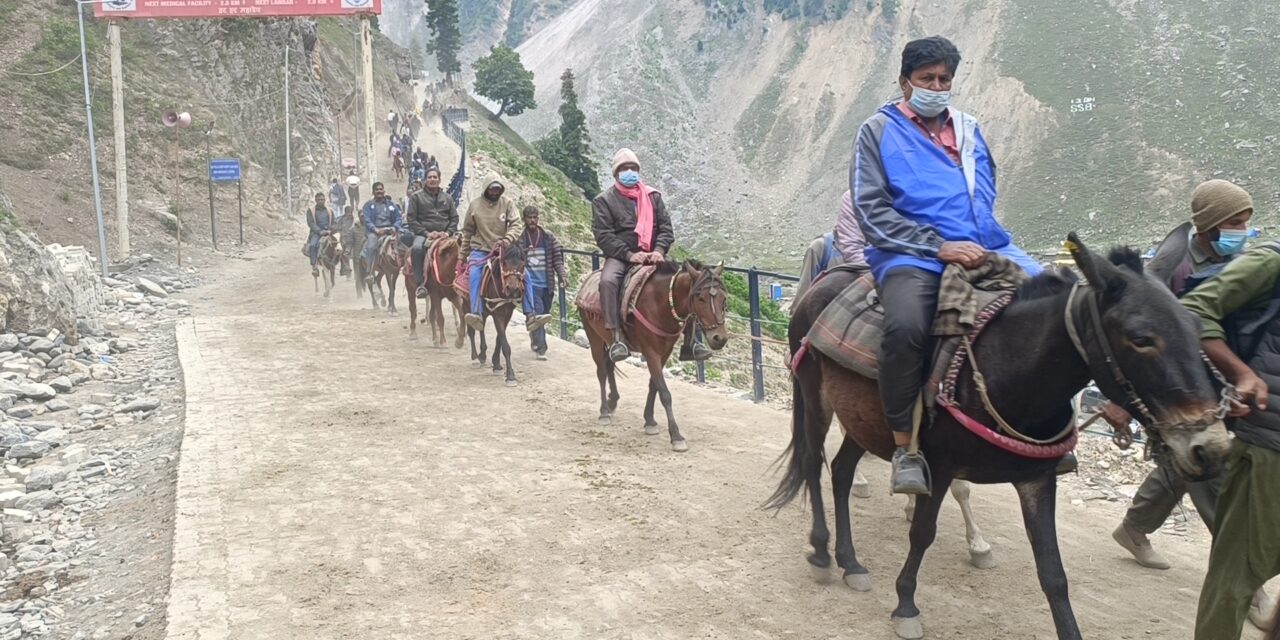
(945, 139)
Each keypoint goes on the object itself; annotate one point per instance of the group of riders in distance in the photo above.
(1187, 344)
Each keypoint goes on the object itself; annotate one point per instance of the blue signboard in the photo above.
(224, 169)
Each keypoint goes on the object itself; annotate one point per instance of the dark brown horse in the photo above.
(441, 265)
(330, 256)
(502, 291)
(1133, 338)
(387, 264)
(666, 301)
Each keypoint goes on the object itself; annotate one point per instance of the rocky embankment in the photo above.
(89, 433)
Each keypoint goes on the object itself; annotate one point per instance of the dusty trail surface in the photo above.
(339, 481)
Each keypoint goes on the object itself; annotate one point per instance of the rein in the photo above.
(498, 301)
(671, 307)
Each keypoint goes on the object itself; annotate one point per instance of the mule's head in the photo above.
(1159, 374)
(707, 301)
(512, 260)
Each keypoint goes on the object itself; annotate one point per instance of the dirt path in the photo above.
(339, 481)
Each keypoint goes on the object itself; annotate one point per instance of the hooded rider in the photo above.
(491, 222)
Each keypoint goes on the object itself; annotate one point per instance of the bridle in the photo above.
(499, 255)
(1084, 325)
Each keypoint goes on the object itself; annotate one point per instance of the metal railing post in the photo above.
(757, 354)
(564, 314)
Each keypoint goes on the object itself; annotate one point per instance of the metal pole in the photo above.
(564, 315)
(93, 148)
(117, 111)
(208, 156)
(366, 41)
(757, 355)
(177, 219)
(288, 139)
(240, 200)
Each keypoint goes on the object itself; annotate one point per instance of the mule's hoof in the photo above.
(860, 582)
(497, 372)
(604, 419)
(821, 574)
(982, 560)
(512, 383)
(652, 429)
(679, 446)
(908, 628)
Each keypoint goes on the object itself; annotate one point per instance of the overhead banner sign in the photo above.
(233, 8)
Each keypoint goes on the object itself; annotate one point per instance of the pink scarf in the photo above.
(644, 210)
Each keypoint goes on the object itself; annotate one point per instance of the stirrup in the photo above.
(618, 351)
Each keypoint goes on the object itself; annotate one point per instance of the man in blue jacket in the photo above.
(381, 217)
(924, 194)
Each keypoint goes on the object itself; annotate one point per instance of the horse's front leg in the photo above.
(979, 551)
(505, 344)
(392, 279)
(650, 425)
(1038, 505)
(924, 528)
(413, 314)
(657, 378)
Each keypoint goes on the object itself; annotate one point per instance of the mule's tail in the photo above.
(797, 451)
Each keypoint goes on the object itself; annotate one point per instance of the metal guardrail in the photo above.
(448, 121)
(756, 320)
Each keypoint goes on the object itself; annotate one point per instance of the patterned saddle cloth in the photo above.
(588, 298)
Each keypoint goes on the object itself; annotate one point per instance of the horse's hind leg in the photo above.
(613, 385)
(391, 291)
(979, 551)
(924, 528)
(413, 311)
(650, 425)
(657, 378)
(602, 375)
(1038, 504)
(843, 469)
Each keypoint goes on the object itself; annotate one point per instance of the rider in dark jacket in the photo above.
(432, 214)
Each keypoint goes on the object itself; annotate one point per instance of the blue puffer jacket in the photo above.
(910, 197)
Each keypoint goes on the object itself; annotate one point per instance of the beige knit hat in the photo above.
(623, 156)
(1215, 201)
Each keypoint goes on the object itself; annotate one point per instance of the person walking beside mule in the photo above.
(491, 223)
(544, 268)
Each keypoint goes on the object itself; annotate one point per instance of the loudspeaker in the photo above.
(172, 118)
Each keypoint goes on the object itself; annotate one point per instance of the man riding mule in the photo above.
(631, 227)
(432, 215)
(381, 218)
(492, 223)
(320, 223)
(924, 191)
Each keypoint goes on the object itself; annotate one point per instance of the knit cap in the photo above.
(623, 156)
(1215, 201)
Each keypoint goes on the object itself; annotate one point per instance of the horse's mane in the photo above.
(1126, 257)
(513, 253)
(1046, 285)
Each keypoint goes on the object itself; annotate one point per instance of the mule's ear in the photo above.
(1098, 271)
(691, 268)
(719, 270)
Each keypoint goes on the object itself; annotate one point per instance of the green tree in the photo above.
(569, 147)
(446, 38)
(502, 78)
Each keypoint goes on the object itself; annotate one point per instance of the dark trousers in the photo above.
(537, 301)
(419, 254)
(1162, 491)
(910, 300)
(611, 277)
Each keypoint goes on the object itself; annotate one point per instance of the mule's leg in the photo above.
(1038, 505)
(460, 322)
(979, 551)
(650, 425)
(476, 360)
(656, 376)
(613, 384)
(843, 469)
(924, 528)
(413, 311)
(505, 344)
(391, 290)
(497, 346)
(602, 374)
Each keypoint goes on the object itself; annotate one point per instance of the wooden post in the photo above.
(366, 53)
(117, 110)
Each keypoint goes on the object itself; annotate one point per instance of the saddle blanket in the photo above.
(588, 298)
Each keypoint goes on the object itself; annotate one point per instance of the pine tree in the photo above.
(446, 38)
(572, 152)
(501, 77)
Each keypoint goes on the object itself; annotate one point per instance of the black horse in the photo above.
(1123, 329)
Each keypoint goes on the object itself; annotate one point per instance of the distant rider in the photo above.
(381, 218)
(320, 223)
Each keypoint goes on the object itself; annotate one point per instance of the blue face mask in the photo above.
(929, 103)
(629, 178)
(1230, 241)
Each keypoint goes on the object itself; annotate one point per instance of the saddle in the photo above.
(588, 298)
(433, 255)
(850, 329)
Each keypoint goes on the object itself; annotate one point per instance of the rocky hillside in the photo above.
(1103, 113)
(224, 72)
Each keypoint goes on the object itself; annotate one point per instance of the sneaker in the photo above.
(701, 352)
(1136, 543)
(474, 321)
(537, 322)
(909, 473)
(421, 292)
(619, 352)
(1067, 464)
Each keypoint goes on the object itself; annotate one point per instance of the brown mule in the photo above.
(387, 265)
(672, 295)
(330, 256)
(440, 266)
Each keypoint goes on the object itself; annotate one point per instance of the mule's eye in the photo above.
(1142, 342)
